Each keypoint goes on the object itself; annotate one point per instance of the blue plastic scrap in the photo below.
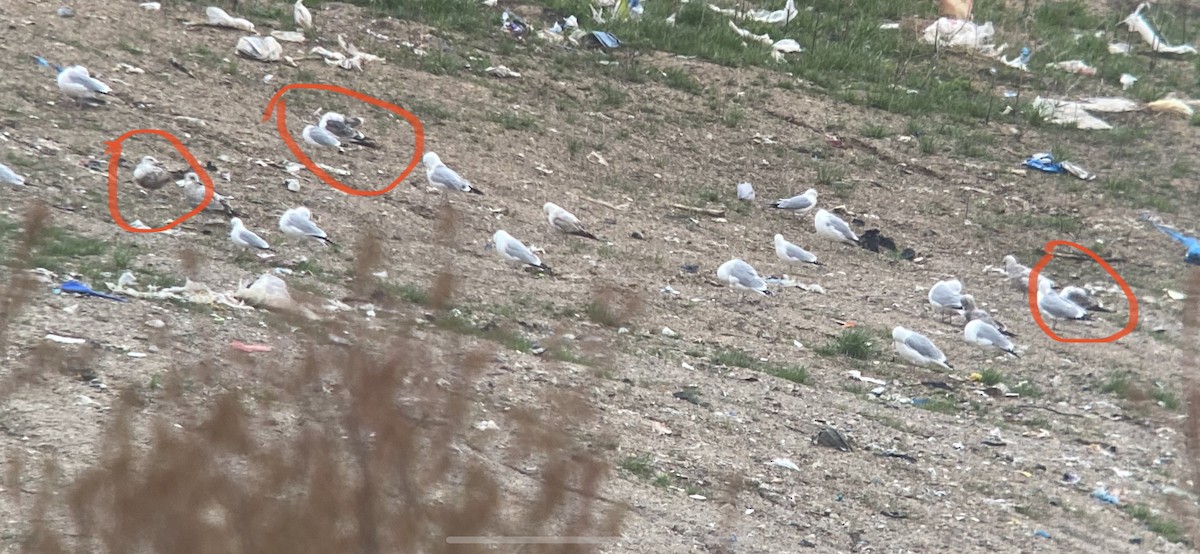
(80, 288)
(1042, 534)
(1192, 243)
(1044, 162)
(1106, 497)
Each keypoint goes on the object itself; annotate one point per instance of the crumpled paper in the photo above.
(263, 49)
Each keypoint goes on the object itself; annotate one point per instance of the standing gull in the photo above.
(193, 191)
(297, 222)
(742, 276)
(980, 333)
(916, 349)
(346, 128)
(565, 221)
(77, 84)
(241, 236)
(800, 204)
(1056, 307)
(946, 296)
(151, 174)
(513, 250)
(7, 175)
(1018, 275)
(971, 312)
(791, 253)
(832, 227)
(442, 177)
(302, 15)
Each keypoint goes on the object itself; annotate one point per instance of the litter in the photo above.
(1044, 161)
(1106, 497)
(1109, 105)
(74, 286)
(1020, 62)
(263, 49)
(1042, 534)
(1171, 105)
(239, 345)
(1078, 67)
(353, 61)
(956, 32)
(66, 11)
(745, 192)
(191, 291)
(1138, 23)
(288, 36)
(604, 40)
(514, 25)
(487, 425)
(1120, 48)
(269, 291)
(219, 18)
(785, 463)
(1127, 81)
(1062, 112)
(955, 9)
(856, 374)
(64, 340)
(502, 72)
(788, 13)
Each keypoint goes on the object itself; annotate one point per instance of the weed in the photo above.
(609, 96)
(829, 175)
(1157, 524)
(1027, 390)
(680, 79)
(991, 377)
(875, 131)
(852, 343)
(641, 466)
(795, 374)
(735, 358)
(940, 404)
(1165, 398)
(929, 144)
(1119, 384)
(515, 121)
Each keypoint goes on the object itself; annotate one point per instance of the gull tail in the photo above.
(767, 293)
(1007, 333)
(584, 234)
(1102, 309)
(364, 141)
(474, 190)
(1015, 355)
(948, 365)
(229, 209)
(545, 268)
(323, 239)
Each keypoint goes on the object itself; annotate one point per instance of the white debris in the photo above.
(1137, 23)
(64, 340)
(218, 18)
(502, 71)
(263, 49)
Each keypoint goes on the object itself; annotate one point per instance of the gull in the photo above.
(302, 15)
(1018, 275)
(1192, 243)
(344, 127)
(981, 333)
(77, 84)
(7, 175)
(193, 191)
(916, 349)
(789, 252)
(151, 174)
(833, 228)
(443, 178)
(745, 191)
(1057, 307)
(743, 277)
(513, 250)
(1083, 299)
(565, 221)
(297, 222)
(971, 313)
(946, 296)
(244, 237)
(800, 204)
(319, 136)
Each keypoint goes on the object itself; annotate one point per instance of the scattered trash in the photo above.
(1020, 62)
(1071, 478)
(1176, 295)
(1171, 105)
(1120, 48)
(745, 192)
(785, 463)
(857, 375)
(604, 40)
(668, 290)
(788, 13)
(691, 395)
(1044, 162)
(239, 345)
(667, 332)
(66, 11)
(1062, 112)
(660, 429)
(288, 36)
(150, 6)
(136, 354)
(889, 26)
(64, 340)
(955, 32)
(1042, 534)
(354, 60)
(1137, 23)
(514, 25)
(1105, 496)
(263, 49)
(292, 184)
(74, 286)
(487, 425)
(269, 291)
(955, 9)
(1127, 81)
(832, 438)
(502, 72)
(1110, 105)
(596, 158)
(1078, 67)
(219, 18)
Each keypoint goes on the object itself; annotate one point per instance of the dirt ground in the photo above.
(964, 471)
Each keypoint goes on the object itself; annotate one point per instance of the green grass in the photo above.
(1165, 528)
(680, 79)
(940, 404)
(795, 374)
(1166, 398)
(735, 358)
(857, 344)
(738, 358)
(608, 96)
(872, 130)
(1027, 390)
(641, 466)
(991, 377)
(515, 122)
(1119, 384)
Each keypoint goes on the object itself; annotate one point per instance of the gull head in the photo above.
(235, 222)
(430, 159)
(899, 333)
(967, 301)
(1009, 261)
